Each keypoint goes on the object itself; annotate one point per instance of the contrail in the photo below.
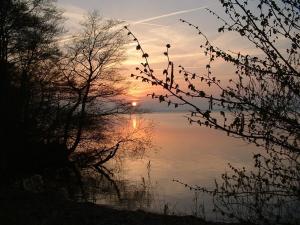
(144, 21)
(168, 15)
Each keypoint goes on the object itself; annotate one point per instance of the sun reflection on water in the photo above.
(134, 122)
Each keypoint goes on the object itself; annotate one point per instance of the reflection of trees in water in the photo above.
(95, 175)
(103, 187)
(119, 141)
(97, 185)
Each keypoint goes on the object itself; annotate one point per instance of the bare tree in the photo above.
(95, 86)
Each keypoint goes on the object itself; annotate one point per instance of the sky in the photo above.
(156, 23)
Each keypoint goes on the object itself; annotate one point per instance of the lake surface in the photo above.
(191, 154)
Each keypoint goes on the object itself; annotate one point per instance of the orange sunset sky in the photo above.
(156, 23)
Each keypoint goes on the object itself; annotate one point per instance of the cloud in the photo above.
(66, 38)
(74, 16)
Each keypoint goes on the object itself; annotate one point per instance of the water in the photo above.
(191, 154)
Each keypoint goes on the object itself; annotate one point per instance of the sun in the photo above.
(134, 103)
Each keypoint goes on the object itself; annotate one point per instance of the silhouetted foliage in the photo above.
(267, 194)
(27, 58)
(91, 83)
(261, 104)
(56, 99)
(263, 100)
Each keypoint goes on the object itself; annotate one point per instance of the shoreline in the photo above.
(22, 207)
